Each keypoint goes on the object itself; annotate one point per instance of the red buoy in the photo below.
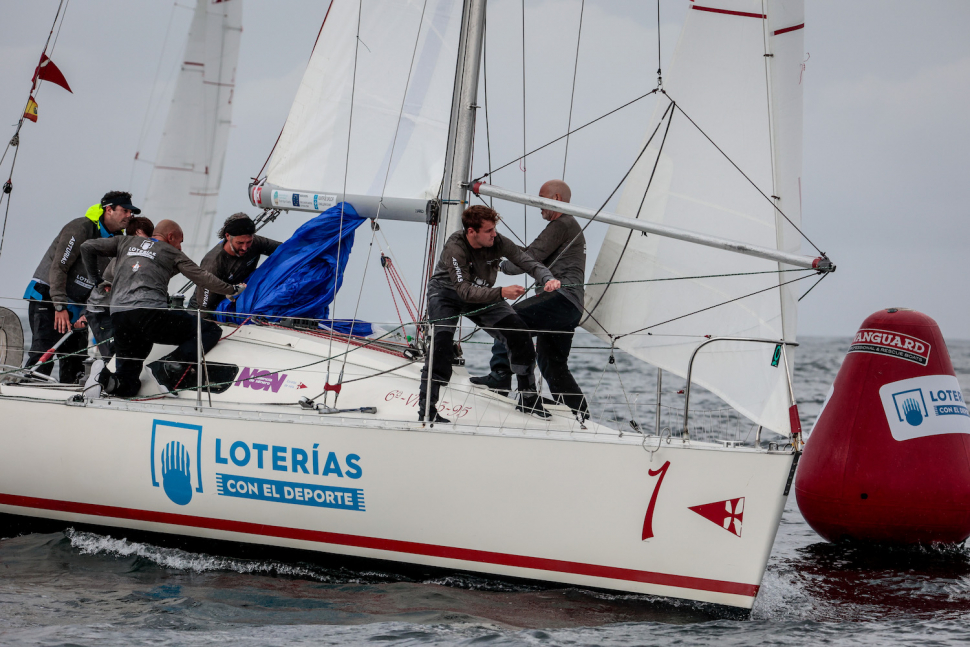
(889, 457)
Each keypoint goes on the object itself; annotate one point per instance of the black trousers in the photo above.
(136, 331)
(445, 309)
(99, 323)
(548, 311)
(43, 336)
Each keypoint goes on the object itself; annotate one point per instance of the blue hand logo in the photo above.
(175, 473)
(911, 409)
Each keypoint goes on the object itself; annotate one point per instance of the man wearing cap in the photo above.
(61, 285)
(233, 260)
(139, 307)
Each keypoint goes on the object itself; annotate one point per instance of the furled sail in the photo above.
(736, 73)
(188, 167)
(371, 115)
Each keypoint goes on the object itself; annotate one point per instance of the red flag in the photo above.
(31, 111)
(47, 71)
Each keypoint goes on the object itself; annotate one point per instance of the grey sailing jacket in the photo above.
(143, 269)
(561, 247)
(472, 272)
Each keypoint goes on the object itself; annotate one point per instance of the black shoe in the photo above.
(531, 403)
(435, 417)
(167, 373)
(498, 382)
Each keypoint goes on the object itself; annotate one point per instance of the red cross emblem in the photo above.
(727, 514)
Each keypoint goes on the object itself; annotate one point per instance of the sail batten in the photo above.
(748, 104)
(187, 172)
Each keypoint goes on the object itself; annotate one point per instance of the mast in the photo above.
(461, 130)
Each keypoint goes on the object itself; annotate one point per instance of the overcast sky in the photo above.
(887, 92)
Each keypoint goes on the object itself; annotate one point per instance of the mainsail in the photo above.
(736, 79)
(188, 167)
(371, 115)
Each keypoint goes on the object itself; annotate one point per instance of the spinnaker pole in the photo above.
(819, 263)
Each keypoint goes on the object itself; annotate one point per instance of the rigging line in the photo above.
(375, 227)
(550, 143)
(67, 4)
(617, 187)
(47, 43)
(488, 138)
(608, 198)
(572, 95)
(525, 209)
(813, 286)
(20, 122)
(716, 305)
(750, 181)
(6, 213)
(659, 75)
(151, 95)
(309, 58)
(343, 201)
(629, 235)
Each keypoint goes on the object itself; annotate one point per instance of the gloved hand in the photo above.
(239, 288)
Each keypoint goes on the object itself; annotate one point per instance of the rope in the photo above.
(8, 186)
(572, 94)
(716, 305)
(576, 130)
(350, 130)
(629, 235)
(488, 138)
(525, 209)
(750, 181)
(375, 227)
(813, 286)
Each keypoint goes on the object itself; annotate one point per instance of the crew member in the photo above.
(98, 309)
(234, 259)
(561, 247)
(462, 285)
(61, 285)
(139, 306)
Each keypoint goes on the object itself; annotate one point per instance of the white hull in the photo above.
(549, 502)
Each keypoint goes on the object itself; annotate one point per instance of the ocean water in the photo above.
(83, 588)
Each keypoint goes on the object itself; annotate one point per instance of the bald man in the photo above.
(139, 307)
(561, 247)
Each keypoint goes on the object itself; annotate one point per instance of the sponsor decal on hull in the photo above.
(884, 342)
(925, 406)
(176, 464)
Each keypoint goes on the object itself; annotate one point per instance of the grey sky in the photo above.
(886, 157)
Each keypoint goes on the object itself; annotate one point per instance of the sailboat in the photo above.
(187, 169)
(384, 121)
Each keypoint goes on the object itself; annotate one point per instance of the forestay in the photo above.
(351, 98)
(750, 105)
(188, 167)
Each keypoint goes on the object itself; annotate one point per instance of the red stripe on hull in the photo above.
(393, 545)
(788, 29)
(729, 12)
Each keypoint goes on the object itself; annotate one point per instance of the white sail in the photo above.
(188, 167)
(749, 104)
(351, 99)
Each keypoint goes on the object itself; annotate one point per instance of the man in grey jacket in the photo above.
(61, 285)
(139, 306)
(233, 260)
(561, 247)
(462, 285)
